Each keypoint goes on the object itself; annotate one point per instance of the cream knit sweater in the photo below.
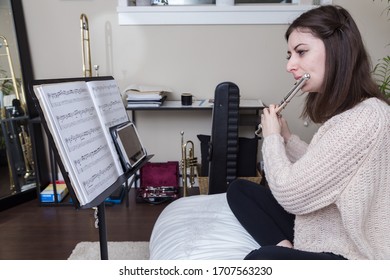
(338, 186)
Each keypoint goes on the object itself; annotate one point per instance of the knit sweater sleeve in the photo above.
(320, 175)
(295, 148)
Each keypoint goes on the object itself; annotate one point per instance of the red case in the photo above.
(159, 182)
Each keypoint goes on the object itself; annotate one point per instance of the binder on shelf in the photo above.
(146, 103)
(145, 96)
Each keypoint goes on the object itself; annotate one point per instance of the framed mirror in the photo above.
(18, 179)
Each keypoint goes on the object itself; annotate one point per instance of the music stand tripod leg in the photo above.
(102, 231)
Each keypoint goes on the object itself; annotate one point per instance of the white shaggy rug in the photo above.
(138, 250)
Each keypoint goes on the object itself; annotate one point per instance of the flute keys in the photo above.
(259, 130)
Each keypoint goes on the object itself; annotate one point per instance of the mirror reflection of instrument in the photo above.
(15, 147)
(85, 46)
(25, 141)
(297, 86)
(10, 64)
(18, 141)
(188, 161)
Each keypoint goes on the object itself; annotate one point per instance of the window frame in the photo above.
(211, 14)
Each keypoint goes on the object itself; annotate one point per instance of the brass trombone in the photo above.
(188, 161)
(11, 68)
(85, 46)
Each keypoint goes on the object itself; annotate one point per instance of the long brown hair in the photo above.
(347, 79)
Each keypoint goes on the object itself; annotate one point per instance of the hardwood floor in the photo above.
(33, 232)
(4, 181)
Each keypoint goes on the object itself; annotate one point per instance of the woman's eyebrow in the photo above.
(296, 47)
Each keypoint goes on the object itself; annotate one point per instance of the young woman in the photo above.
(328, 199)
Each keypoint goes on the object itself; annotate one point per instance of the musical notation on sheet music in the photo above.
(80, 127)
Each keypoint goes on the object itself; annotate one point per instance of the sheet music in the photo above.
(108, 102)
(80, 138)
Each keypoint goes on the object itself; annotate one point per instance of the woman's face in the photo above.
(306, 54)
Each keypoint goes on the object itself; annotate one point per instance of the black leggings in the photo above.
(267, 222)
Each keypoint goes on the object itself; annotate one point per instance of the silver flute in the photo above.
(293, 91)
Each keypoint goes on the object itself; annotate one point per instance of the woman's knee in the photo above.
(244, 187)
(236, 189)
(235, 186)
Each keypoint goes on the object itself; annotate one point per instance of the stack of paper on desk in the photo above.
(145, 96)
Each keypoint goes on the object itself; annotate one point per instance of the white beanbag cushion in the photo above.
(199, 227)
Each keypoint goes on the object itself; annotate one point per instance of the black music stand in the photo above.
(99, 201)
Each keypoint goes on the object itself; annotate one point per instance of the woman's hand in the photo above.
(272, 123)
(285, 131)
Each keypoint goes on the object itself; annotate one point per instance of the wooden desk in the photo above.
(251, 105)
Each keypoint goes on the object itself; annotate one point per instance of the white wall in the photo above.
(185, 58)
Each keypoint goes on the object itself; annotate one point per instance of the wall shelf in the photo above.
(210, 14)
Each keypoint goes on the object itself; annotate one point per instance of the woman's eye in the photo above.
(288, 56)
(301, 52)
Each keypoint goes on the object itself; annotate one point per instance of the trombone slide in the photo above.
(10, 65)
(85, 46)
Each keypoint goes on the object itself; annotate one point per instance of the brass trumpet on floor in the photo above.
(297, 86)
(188, 161)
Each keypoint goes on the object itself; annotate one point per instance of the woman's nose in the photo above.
(291, 65)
